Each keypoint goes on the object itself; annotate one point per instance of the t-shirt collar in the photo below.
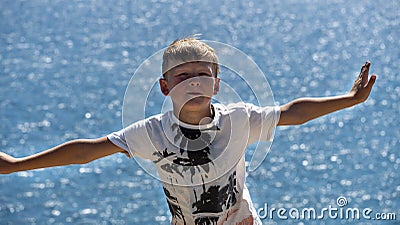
(213, 123)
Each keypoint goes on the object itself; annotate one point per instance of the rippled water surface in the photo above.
(65, 65)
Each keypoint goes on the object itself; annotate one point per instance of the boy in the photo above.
(198, 147)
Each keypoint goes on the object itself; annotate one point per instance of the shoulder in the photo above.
(233, 111)
(236, 107)
(147, 123)
(248, 109)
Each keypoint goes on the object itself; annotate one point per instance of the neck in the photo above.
(195, 117)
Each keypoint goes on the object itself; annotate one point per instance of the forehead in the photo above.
(193, 65)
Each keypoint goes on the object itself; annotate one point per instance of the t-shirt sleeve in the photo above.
(118, 139)
(135, 139)
(263, 121)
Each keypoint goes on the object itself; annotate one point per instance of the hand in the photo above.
(6, 163)
(362, 86)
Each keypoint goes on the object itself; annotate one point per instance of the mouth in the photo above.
(195, 93)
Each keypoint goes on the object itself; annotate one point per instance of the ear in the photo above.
(164, 86)
(216, 85)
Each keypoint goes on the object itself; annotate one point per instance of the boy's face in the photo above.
(190, 84)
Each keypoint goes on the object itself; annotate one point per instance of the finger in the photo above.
(364, 73)
(371, 82)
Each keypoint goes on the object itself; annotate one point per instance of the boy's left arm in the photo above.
(302, 110)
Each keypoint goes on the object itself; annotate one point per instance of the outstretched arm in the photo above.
(72, 152)
(302, 110)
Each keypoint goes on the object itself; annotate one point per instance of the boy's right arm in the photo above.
(73, 152)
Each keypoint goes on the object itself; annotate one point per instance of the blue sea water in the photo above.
(65, 65)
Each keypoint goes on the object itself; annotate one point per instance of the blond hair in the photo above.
(188, 50)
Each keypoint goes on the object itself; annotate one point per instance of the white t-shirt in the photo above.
(202, 167)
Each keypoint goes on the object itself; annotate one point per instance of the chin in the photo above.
(197, 103)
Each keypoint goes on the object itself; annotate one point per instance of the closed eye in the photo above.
(205, 74)
(182, 74)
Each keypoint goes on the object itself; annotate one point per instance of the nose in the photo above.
(194, 82)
